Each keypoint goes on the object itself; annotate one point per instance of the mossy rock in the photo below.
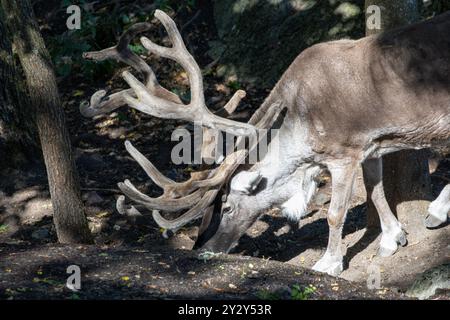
(260, 38)
(430, 281)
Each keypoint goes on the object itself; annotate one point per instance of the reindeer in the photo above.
(339, 105)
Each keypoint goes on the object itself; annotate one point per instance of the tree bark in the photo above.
(17, 130)
(405, 174)
(68, 210)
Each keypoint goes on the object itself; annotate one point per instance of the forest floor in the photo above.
(39, 272)
(133, 260)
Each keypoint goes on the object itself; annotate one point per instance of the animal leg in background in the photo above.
(343, 178)
(439, 209)
(393, 235)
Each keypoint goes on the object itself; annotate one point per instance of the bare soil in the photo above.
(39, 272)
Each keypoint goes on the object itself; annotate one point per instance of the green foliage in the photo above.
(67, 48)
(297, 293)
(74, 296)
(435, 7)
(175, 5)
(235, 85)
(268, 295)
(137, 49)
(100, 28)
(3, 228)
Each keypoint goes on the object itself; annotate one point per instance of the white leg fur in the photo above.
(392, 232)
(392, 236)
(342, 180)
(329, 263)
(439, 209)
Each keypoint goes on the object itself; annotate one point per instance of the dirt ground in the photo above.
(32, 265)
(305, 243)
(39, 272)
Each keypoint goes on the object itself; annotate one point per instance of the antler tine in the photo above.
(210, 136)
(171, 188)
(231, 105)
(222, 172)
(232, 161)
(160, 203)
(121, 52)
(196, 111)
(123, 209)
(154, 174)
(179, 53)
(194, 213)
(100, 105)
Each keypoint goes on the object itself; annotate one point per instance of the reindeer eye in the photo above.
(227, 209)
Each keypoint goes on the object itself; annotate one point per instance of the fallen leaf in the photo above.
(102, 214)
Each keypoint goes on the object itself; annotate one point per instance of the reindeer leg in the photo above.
(439, 209)
(343, 177)
(393, 234)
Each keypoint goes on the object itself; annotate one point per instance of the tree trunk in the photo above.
(17, 129)
(405, 174)
(68, 210)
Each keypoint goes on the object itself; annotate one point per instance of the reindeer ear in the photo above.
(246, 181)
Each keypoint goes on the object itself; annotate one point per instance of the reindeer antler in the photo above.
(206, 183)
(99, 104)
(151, 98)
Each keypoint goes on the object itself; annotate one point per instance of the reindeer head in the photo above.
(250, 194)
(234, 213)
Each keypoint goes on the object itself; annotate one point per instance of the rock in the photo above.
(429, 282)
(92, 198)
(116, 133)
(283, 230)
(95, 226)
(40, 234)
(180, 241)
(276, 32)
(35, 210)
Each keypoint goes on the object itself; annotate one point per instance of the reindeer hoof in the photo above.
(402, 239)
(386, 252)
(390, 241)
(329, 265)
(437, 213)
(432, 222)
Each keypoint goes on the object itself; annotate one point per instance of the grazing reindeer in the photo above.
(341, 104)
